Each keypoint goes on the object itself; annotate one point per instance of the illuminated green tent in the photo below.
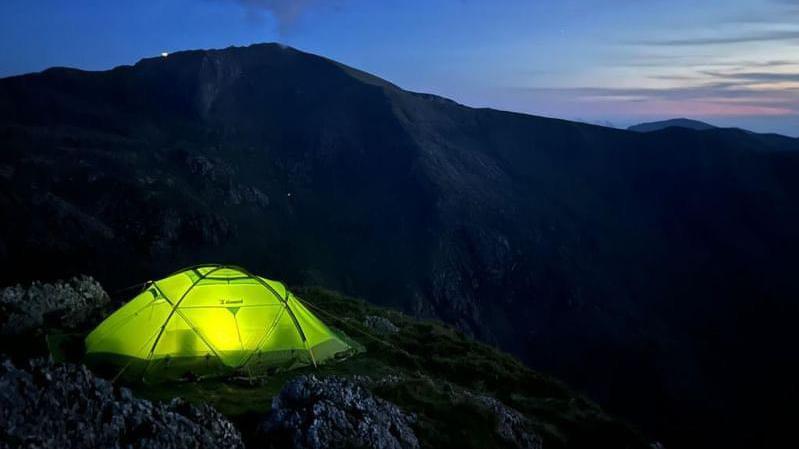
(210, 320)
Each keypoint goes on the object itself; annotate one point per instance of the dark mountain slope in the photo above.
(652, 270)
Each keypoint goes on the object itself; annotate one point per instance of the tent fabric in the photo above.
(210, 320)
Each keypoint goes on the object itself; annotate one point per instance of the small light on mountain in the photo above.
(288, 195)
(164, 54)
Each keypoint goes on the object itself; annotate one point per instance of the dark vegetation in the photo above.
(653, 271)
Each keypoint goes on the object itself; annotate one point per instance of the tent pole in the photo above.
(310, 351)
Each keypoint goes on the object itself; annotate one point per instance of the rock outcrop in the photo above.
(68, 304)
(511, 425)
(63, 406)
(380, 325)
(333, 412)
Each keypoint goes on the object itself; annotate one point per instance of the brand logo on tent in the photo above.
(230, 301)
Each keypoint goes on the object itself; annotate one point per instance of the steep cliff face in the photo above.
(635, 265)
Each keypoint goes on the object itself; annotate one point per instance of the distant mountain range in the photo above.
(654, 271)
(680, 123)
(673, 123)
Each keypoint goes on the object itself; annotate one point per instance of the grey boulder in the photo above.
(63, 406)
(333, 412)
(69, 303)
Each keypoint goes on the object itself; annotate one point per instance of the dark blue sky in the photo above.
(731, 62)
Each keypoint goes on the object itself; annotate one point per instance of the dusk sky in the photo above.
(619, 62)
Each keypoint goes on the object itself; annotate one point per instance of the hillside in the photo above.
(637, 267)
(454, 392)
(434, 372)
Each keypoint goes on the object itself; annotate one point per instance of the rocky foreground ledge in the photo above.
(49, 405)
(62, 405)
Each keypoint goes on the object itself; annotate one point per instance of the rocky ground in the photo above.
(332, 412)
(48, 405)
(417, 385)
(68, 304)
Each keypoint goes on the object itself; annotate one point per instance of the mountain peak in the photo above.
(263, 48)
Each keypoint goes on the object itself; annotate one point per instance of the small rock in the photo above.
(380, 325)
(332, 412)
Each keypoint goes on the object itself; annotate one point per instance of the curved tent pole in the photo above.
(186, 319)
(213, 265)
(172, 312)
(263, 338)
(285, 302)
(194, 267)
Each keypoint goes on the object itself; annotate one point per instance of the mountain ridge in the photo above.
(380, 82)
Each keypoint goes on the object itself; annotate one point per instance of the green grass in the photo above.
(433, 365)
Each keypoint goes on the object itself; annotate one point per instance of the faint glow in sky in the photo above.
(730, 62)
